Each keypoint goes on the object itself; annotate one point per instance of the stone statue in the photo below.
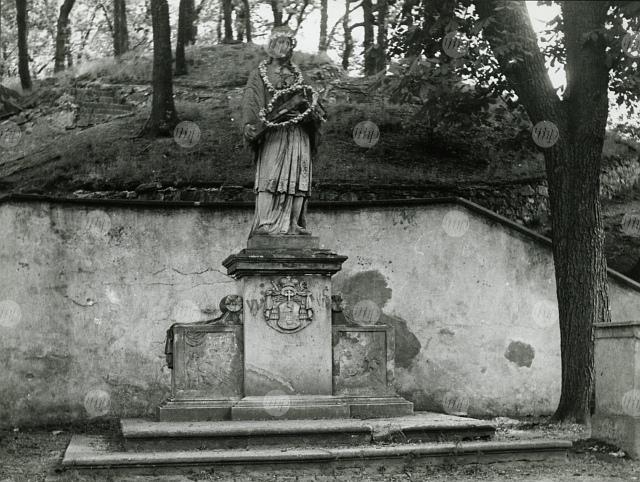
(281, 118)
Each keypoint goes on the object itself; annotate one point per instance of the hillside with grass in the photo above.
(81, 138)
(58, 156)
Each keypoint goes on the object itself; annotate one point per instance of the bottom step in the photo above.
(90, 453)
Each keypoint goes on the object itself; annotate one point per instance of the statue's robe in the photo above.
(283, 158)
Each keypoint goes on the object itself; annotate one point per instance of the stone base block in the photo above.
(620, 430)
(317, 407)
(289, 407)
(195, 410)
(371, 407)
(283, 242)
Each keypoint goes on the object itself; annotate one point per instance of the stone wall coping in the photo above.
(618, 329)
(325, 205)
(205, 327)
(361, 327)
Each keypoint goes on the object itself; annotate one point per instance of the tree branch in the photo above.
(199, 8)
(508, 22)
(106, 16)
(300, 16)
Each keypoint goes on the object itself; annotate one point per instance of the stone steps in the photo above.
(150, 448)
(143, 435)
(93, 455)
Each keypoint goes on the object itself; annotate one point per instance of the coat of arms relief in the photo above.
(287, 307)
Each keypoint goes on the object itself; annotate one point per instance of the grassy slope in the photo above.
(109, 156)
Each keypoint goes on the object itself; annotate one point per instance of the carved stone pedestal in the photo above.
(286, 360)
(287, 315)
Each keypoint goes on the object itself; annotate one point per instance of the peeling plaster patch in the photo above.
(520, 353)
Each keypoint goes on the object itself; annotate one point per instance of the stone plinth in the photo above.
(207, 372)
(286, 287)
(617, 380)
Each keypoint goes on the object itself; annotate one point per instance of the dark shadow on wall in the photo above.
(371, 286)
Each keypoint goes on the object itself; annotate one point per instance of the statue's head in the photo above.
(281, 43)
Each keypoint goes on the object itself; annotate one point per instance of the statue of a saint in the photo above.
(281, 121)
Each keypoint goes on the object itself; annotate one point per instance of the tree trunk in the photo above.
(62, 35)
(239, 22)
(367, 43)
(163, 113)
(120, 31)
(348, 40)
(23, 45)
(573, 174)
(192, 29)
(183, 31)
(324, 19)
(276, 8)
(247, 21)
(219, 26)
(381, 45)
(1, 46)
(228, 28)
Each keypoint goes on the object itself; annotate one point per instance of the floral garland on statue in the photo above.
(298, 85)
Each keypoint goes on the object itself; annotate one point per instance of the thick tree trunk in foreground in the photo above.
(573, 174)
(163, 112)
(23, 45)
(183, 31)
(120, 30)
(62, 35)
